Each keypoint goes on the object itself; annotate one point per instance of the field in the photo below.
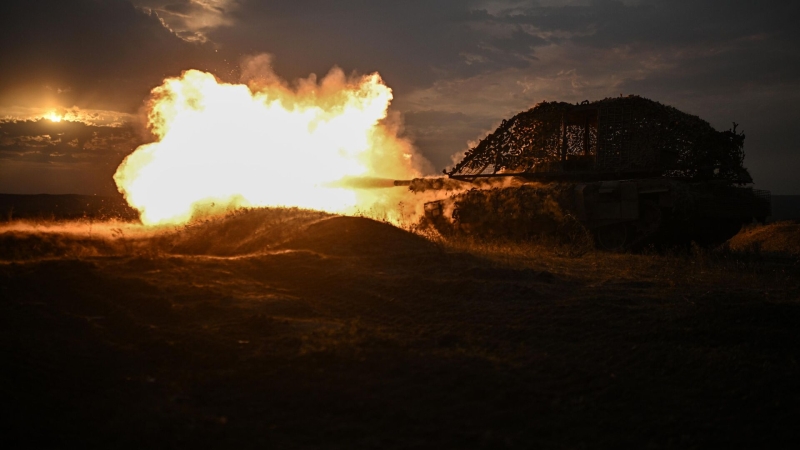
(296, 329)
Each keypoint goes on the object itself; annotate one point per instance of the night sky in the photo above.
(457, 69)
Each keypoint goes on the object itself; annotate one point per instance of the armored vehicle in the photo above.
(629, 169)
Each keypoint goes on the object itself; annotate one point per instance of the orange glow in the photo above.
(53, 117)
(264, 144)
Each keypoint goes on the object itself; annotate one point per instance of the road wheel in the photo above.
(614, 237)
(649, 223)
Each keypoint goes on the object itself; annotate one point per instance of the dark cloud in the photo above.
(62, 155)
(457, 67)
(191, 20)
(101, 54)
(412, 43)
(179, 8)
(714, 44)
(441, 132)
(65, 142)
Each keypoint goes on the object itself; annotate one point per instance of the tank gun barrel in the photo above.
(432, 184)
(415, 184)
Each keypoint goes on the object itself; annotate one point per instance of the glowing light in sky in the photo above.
(53, 116)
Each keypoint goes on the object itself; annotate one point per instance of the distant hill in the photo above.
(785, 207)
(64, 207)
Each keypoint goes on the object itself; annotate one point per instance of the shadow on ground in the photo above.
(295, 329)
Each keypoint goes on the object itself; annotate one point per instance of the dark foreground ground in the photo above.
(291, 329)
(66, 206)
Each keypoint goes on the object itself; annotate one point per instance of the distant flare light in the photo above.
(53, 117)
(263, 144)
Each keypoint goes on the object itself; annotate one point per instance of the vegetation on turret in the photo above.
(626, 135)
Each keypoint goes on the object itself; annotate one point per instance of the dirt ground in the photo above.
(293, 329)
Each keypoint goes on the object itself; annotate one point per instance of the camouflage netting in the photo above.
(626, 135)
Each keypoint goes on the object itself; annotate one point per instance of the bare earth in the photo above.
(293, 329)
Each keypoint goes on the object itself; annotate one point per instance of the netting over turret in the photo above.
(616, 136)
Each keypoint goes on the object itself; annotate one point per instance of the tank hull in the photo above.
(619, 214)
(629, 170)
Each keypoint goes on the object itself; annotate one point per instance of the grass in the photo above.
(297, 329)
(777, 239)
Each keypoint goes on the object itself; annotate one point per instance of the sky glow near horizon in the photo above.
(457, 68)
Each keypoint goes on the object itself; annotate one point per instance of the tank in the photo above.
(629, 170)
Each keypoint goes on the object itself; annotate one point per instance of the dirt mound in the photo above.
(242, 232)
(779, 238)
(16, 245)
(345, 236)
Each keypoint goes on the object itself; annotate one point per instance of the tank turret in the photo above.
(633, 170)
